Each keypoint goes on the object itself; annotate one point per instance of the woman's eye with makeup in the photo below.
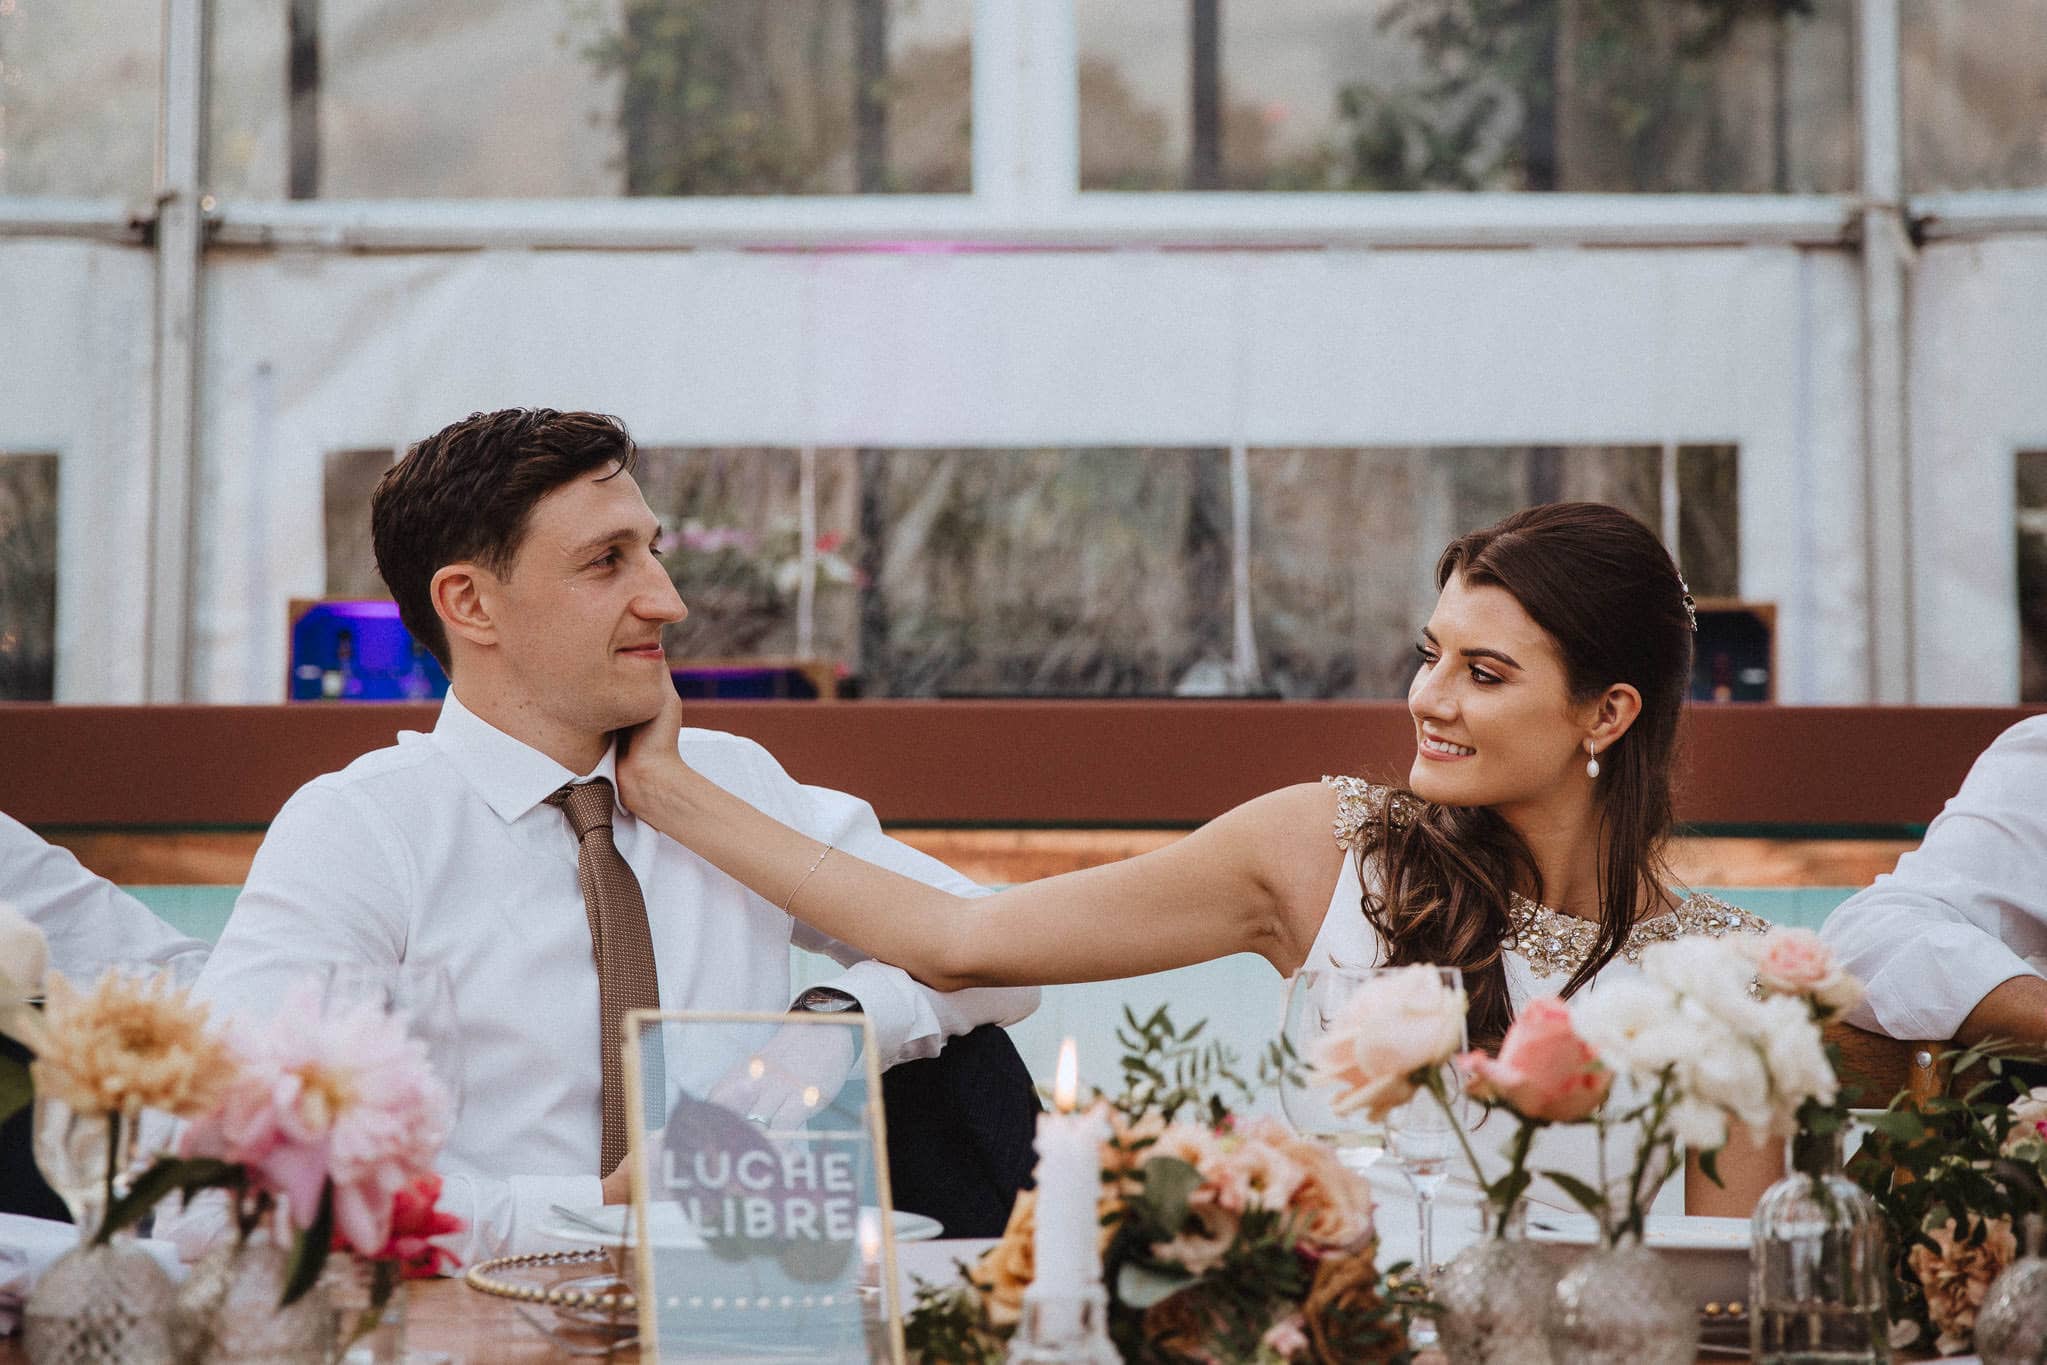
(1480, 676)
(1428, 655)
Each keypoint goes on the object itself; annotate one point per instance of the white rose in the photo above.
(1628, 1021)
(1396, 1024)
(2028, 1120)
(1698, 1126)
(1796, 1054)
(1727, 1071)
(1709, 970)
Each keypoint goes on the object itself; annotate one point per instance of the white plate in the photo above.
(1664, 1232)
(613, 1224)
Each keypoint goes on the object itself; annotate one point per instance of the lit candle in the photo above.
(1069, 1184)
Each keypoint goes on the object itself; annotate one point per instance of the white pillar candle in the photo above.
(1067, 1258)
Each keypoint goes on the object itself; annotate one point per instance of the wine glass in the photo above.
(1314, 1002)
(422, 991)
(1421, 1137)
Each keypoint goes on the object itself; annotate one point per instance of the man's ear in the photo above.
(461, 594)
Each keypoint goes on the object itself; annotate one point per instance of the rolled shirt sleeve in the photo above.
(1964, 912)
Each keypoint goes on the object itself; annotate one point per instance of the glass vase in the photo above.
(1620, 1305)
(1817, 1268)
(95, 1303)
(101, 1305)
(1493, 1297)
(80, 1154)
(228, 1311)
(365, 1332)
(2011, 1327)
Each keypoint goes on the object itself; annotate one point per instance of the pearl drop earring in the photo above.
(1591, 760)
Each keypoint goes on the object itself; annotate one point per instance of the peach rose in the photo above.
(1545, 1072)
(1392, 1029)
(1958, 1276)
(1005, 1270)
(1332, 1204)
(1798, 962)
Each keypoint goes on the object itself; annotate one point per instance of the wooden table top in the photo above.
(477, 1329)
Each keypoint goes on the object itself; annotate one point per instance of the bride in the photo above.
(1525, 849)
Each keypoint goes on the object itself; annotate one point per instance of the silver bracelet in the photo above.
(791, 899)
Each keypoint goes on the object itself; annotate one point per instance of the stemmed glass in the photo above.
(1422, 1136)
(423, 992)
(1314, 1002)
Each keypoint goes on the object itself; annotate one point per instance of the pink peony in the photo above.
(1798, 962)
(1545, 1072)
(348, 1098)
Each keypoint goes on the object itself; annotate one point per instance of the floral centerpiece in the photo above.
(325, 1130)
(1952, 1175)
(1224, 1239)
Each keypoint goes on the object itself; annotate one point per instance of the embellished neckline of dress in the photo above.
(1554, 942)
(1550, 941)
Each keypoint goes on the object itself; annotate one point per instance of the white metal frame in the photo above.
(1026, 194)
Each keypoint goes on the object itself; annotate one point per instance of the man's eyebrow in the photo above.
(608, 538)
(1502, 656)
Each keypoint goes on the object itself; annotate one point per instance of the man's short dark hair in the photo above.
(465, 493)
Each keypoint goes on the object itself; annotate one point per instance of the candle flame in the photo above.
(870, 1234)
(1066, 1085)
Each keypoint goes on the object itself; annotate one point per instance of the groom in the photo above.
(521, 552)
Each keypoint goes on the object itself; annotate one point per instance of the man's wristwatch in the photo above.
(824, 1000)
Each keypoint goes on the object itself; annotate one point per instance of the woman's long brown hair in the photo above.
(1606, 591)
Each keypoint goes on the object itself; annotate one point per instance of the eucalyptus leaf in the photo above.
(1141, 1286)
(1168, 1181)
(1582, 1194)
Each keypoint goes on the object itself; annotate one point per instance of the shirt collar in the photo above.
(510, 775)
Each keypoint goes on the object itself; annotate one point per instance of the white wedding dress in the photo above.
(1544, 951)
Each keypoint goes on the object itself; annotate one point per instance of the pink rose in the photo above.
(1545, 1072)
(1798, 962)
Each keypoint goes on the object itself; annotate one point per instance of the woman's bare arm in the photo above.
(1746, 1169)
(1247, 882)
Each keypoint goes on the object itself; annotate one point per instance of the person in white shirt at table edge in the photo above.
(1953, 943)
(520, 550)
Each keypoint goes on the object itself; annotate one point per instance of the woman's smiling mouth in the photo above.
(1443, 749)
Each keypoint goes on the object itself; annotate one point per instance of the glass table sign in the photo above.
(761, 1216)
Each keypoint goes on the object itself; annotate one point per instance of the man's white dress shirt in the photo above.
(443, 849)
(89, 922)
(1964, 912)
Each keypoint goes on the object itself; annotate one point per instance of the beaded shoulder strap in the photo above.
(1359, 806)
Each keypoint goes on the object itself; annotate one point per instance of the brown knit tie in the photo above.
(624, 950)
